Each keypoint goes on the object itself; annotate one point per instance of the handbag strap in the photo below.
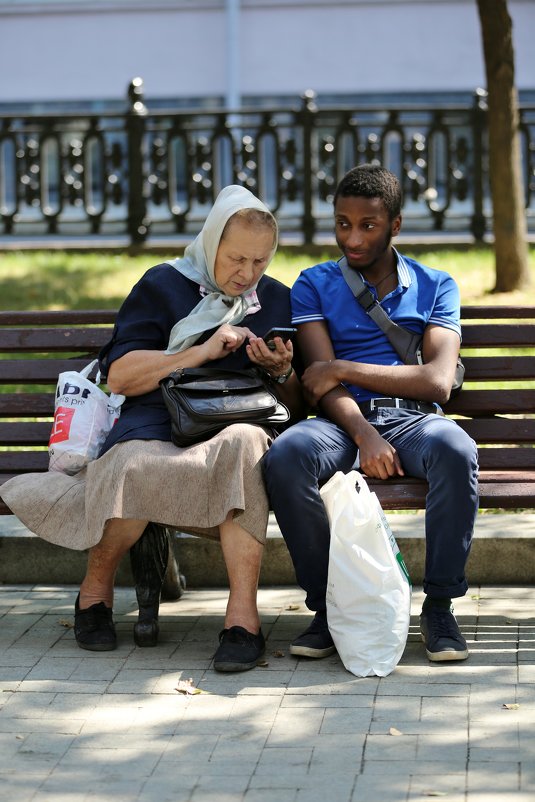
(405, 342)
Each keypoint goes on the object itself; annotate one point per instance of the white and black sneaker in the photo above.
(441, 634)
(316, 641)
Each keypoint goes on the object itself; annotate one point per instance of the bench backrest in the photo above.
(498, 348)
(36, 346)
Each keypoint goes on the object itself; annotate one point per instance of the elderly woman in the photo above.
(209, 308)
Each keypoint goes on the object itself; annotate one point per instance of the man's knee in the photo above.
(445, 435)
(287, 451)
(456, 451)
(464, 449)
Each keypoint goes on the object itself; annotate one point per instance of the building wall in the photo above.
(71, 50)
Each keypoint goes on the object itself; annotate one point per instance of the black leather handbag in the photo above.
(203, 401)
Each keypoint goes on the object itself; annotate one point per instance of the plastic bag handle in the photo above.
(87, 370)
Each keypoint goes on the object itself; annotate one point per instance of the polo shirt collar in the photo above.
(403, 269)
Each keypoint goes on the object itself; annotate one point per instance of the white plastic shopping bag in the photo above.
(83, 417)
(369, 590)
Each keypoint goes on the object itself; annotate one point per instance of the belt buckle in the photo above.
(376, 403)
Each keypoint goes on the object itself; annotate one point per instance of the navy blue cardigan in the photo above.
(161, 298)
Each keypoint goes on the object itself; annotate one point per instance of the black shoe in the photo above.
(238, 649)
(316, 641)
(441, 634)
(93, 628)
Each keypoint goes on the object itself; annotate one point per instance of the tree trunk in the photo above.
(511, 252)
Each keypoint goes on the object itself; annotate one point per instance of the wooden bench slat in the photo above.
(493, 476)
(517, 312)
(51, 317)
(506, 458)
(23, 461)
(50, 340)
(409, 494)
(499, 368)
(500, 430)
(498, 335)
(489, 402)
(28, 317)
(39, 371)
(27, 405)
(17, 461)
(24, 433)
(402, 495)
(508, 495)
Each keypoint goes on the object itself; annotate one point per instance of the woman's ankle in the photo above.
(90, 596)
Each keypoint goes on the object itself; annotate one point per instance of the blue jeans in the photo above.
(430, 447)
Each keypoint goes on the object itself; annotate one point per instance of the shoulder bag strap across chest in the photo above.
(406, 343)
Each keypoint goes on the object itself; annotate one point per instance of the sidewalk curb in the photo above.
(503, 552)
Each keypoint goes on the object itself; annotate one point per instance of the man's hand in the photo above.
(378, 459)
(318, 379)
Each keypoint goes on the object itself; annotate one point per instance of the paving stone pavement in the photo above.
(79, 726)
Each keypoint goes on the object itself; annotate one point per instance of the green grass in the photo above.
(96, 280)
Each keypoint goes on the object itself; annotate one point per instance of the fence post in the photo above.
(478, 223)
(137, 223)
(307, 112)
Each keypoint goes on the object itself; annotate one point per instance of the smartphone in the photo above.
(277, 331)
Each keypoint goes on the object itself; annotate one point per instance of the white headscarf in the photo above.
(198, 264)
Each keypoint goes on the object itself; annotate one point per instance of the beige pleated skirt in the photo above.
(190, 489)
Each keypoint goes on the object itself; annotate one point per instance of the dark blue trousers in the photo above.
(431, 447)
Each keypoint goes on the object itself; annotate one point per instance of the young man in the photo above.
(372, 406)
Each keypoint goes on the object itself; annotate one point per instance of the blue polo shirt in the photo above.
(423, 296)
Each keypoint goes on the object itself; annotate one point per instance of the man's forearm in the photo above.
(422, 382)
(339, 406)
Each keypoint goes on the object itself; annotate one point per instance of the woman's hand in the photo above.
(276, 362)
(139, 372)
(225, 341)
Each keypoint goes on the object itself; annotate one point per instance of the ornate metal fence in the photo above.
(144, 174)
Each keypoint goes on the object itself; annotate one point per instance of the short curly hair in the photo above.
(372, 181)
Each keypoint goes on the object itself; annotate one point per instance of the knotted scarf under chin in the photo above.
(211, 312)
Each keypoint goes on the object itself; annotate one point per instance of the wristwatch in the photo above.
(280, 379)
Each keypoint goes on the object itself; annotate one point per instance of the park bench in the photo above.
(36, 346)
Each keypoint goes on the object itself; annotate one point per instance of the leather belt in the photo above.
(398, 403)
